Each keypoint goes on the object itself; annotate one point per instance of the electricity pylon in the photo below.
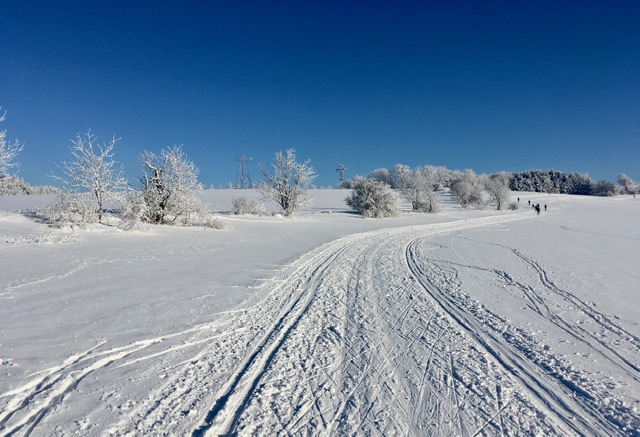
(341, 169)
(243, 180)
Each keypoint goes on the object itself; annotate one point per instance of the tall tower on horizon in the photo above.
(341, 169)
(243, 180)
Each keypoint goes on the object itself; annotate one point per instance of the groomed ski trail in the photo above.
(369, 335)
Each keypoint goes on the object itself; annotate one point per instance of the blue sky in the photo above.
(491, 86)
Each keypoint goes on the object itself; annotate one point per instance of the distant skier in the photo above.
(537, 208)
(545, 208)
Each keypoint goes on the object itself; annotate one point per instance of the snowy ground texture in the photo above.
(460, 323)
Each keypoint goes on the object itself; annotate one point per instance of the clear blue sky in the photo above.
(491, 86)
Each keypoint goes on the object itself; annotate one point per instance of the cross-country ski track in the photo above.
(375, 333)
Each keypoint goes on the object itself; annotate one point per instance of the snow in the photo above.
(460, 323)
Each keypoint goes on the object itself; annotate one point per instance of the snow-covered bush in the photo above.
(373, 198)
(242, 205)
(69, 209)
(207, 220)
(135, 212)
(196, 213)
(289, 183)
(169, 185)
(94, 169)
(513, 206)
(468, 189)
(417, 186)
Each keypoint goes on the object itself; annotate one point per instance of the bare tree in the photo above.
(8, 151)
(288, 184)
(373, 198)
(94, 169)
(169, 184)
(417, 186)
(498, 187)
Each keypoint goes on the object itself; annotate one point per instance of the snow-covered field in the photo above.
(459, 323)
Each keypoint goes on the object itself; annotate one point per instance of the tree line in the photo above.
(418, 187)
(167, 186)
(421, 187)
(551, 181)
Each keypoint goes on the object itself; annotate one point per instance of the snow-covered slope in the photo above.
(460, 323)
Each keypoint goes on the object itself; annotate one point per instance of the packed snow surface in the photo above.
(459, 323)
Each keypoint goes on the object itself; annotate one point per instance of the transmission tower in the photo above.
(243, 180)
(341, 169)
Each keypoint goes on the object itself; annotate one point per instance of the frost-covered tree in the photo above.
(70, 209)
(93, 168)
(400, 178)
(169, 184)
(627, 185)
(13, 185)
(289, 182)
(443, 177)
(373, 198)
(345, 185)
(8, 151)
(604, 188)
(417, 186)
(551, 181)
(497, 185)
(381, 175)
(241, 205)
(468, 189)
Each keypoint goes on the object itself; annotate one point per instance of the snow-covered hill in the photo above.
(460, 323)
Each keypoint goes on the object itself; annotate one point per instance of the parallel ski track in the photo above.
(574, 402)
(365, 335)
(232, 399)
(371, 387)
(602, 320)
